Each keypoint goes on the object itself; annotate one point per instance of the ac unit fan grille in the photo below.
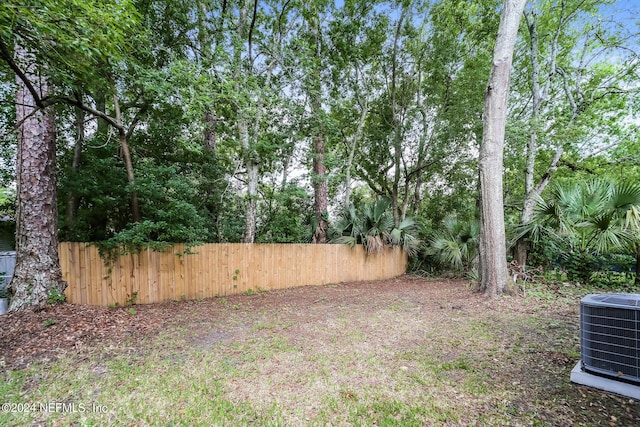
(610, 342)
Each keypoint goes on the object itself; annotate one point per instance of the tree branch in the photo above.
(136, 120)
(251, 27)
(6, 55)
(72, 101)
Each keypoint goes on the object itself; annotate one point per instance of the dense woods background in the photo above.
(312, 121)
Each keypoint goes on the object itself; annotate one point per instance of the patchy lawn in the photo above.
(400, 352)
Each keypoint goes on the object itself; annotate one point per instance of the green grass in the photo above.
(272, 366)
(161, 389)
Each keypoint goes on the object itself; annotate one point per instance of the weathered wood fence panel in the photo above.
(215, 270)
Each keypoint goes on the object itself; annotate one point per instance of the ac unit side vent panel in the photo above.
(610, 335)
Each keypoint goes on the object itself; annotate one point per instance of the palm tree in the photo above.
(373, 227)
(585, 219)
(455, 246)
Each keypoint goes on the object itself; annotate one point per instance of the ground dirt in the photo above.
(507, 358)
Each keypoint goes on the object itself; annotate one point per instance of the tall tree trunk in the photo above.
(210, 130)
(320, 189)
(539, 94)
(529, 204)
(417, 193)
(493, 253)
(319, 178)
(128, 163)
(74, 200)
(252, 159)
(37, 271)
(397, 154)
(522, 245)
(353, 144)
(101, 106)
(249, 155)
(250, 210)
(396, 122)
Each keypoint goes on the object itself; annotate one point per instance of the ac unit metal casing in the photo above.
(610, 336)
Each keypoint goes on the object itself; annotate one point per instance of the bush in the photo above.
(579, 265)
(611, 280)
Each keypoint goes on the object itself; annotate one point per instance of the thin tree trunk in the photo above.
(417, 196)
(250, 210)
(522, 245)
(101, 106)
(74, 200)
(285, 172)
(210, 130)
(395, 193)
(37, 271)
(320, 189)
(539, 95)
(252, 161)
(252, 205)
(528, 207)
(128, 164)
(397, 132)
(493, 256)
(249, 155)
(352, 151)
(205, 49)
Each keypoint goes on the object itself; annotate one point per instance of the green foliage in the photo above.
(587, 226)
(285, 215)
(56, 297)
(5, 196)
(373, 227)
(48, 322)
(7, 210)
(454, 246)
(613, 281)
(133, 299)
(74, 40)
(172, 64)
(182, 196)
(579, 265)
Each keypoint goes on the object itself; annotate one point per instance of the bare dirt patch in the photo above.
(337, 354)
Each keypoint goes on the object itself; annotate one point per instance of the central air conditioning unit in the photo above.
(610, 343)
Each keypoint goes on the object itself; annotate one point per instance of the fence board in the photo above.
(216, 270)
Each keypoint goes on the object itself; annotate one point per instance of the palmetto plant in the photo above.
(595, 215)
(455, 245)
(583, 219)
(373, 227)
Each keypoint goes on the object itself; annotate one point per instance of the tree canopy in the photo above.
(267, 121)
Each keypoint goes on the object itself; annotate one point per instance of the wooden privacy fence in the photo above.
(216, 269)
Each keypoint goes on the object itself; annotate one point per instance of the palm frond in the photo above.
(345, 240)
(407, 223)
(411, 244)
(380, 207)
(625, 196)
(632, 218)
(373, 244)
